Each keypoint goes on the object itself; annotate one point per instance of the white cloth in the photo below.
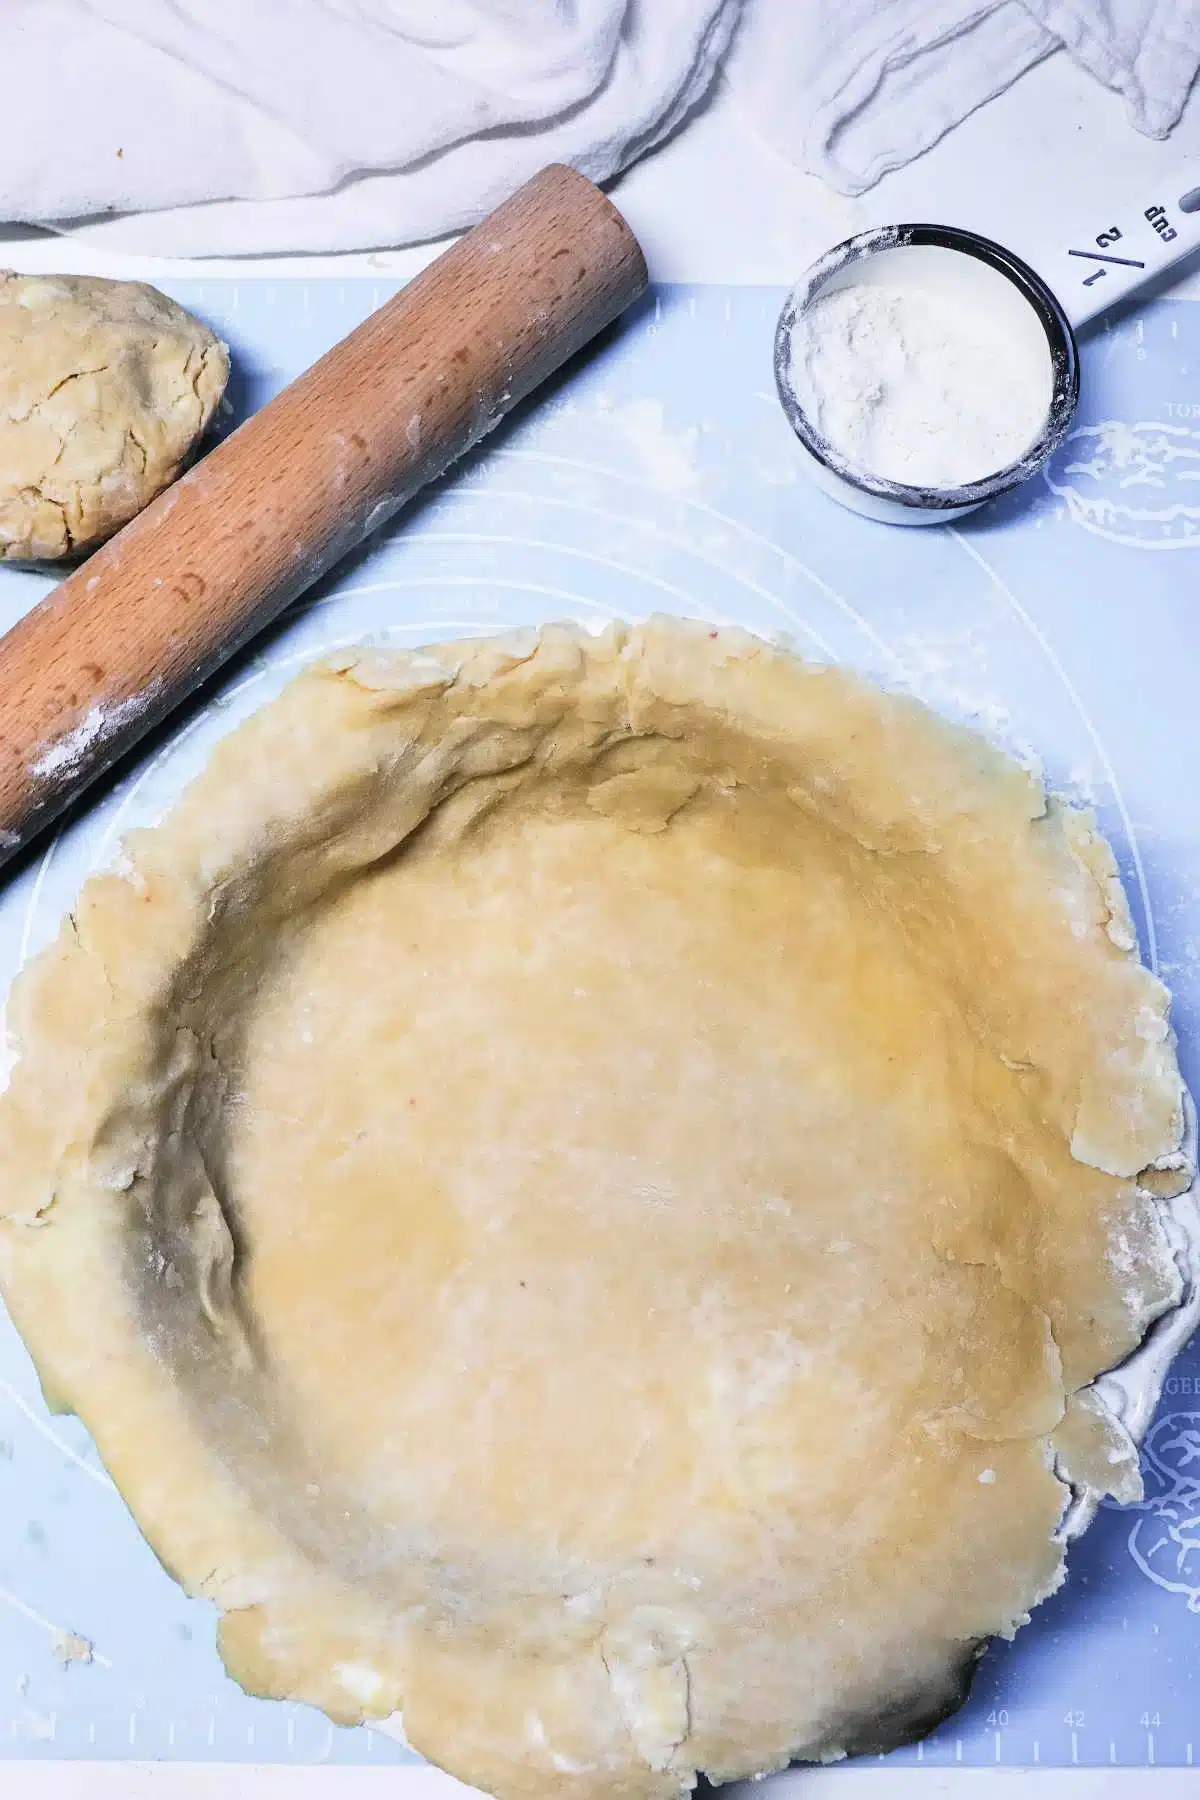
(240, 126)
(849, 89)
(410, 118)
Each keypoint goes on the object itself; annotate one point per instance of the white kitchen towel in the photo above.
(849, 89)
(1149, 50)
(203, 127)
(410, 118)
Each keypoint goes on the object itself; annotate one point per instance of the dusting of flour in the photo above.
(66, 754)
(665, 459)
(8, 1052)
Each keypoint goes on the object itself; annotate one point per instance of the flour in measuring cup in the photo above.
(924, 366)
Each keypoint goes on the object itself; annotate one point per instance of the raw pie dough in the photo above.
(579, 1185)
(105, 388)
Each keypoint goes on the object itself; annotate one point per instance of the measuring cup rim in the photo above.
(1060, 338)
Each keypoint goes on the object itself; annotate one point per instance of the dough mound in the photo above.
(580, 1185)
(105, 387)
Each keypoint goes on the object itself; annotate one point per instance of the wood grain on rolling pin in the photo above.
(139, 625)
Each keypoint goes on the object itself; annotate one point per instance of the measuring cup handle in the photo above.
(1112, 256)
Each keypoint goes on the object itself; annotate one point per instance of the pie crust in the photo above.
(581, 1186)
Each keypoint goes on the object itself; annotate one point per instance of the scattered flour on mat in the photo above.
(949, 672)
(70, 1647)
(666, 459)
(1083, 784)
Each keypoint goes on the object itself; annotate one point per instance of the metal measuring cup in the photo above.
(1141, 242)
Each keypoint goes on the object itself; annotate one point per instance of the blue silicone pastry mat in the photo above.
(1064, 622)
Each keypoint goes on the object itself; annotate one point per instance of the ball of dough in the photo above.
(105, 388)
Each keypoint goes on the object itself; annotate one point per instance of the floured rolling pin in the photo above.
(208, 564)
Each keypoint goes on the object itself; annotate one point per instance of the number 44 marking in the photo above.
(1150, 1721)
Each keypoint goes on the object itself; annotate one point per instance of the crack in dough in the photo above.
(581, 1186)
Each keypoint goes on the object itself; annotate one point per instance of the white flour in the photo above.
(923, 366)
(100, 723)
(665, 459)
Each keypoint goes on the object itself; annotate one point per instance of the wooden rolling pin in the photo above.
(145, 620)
